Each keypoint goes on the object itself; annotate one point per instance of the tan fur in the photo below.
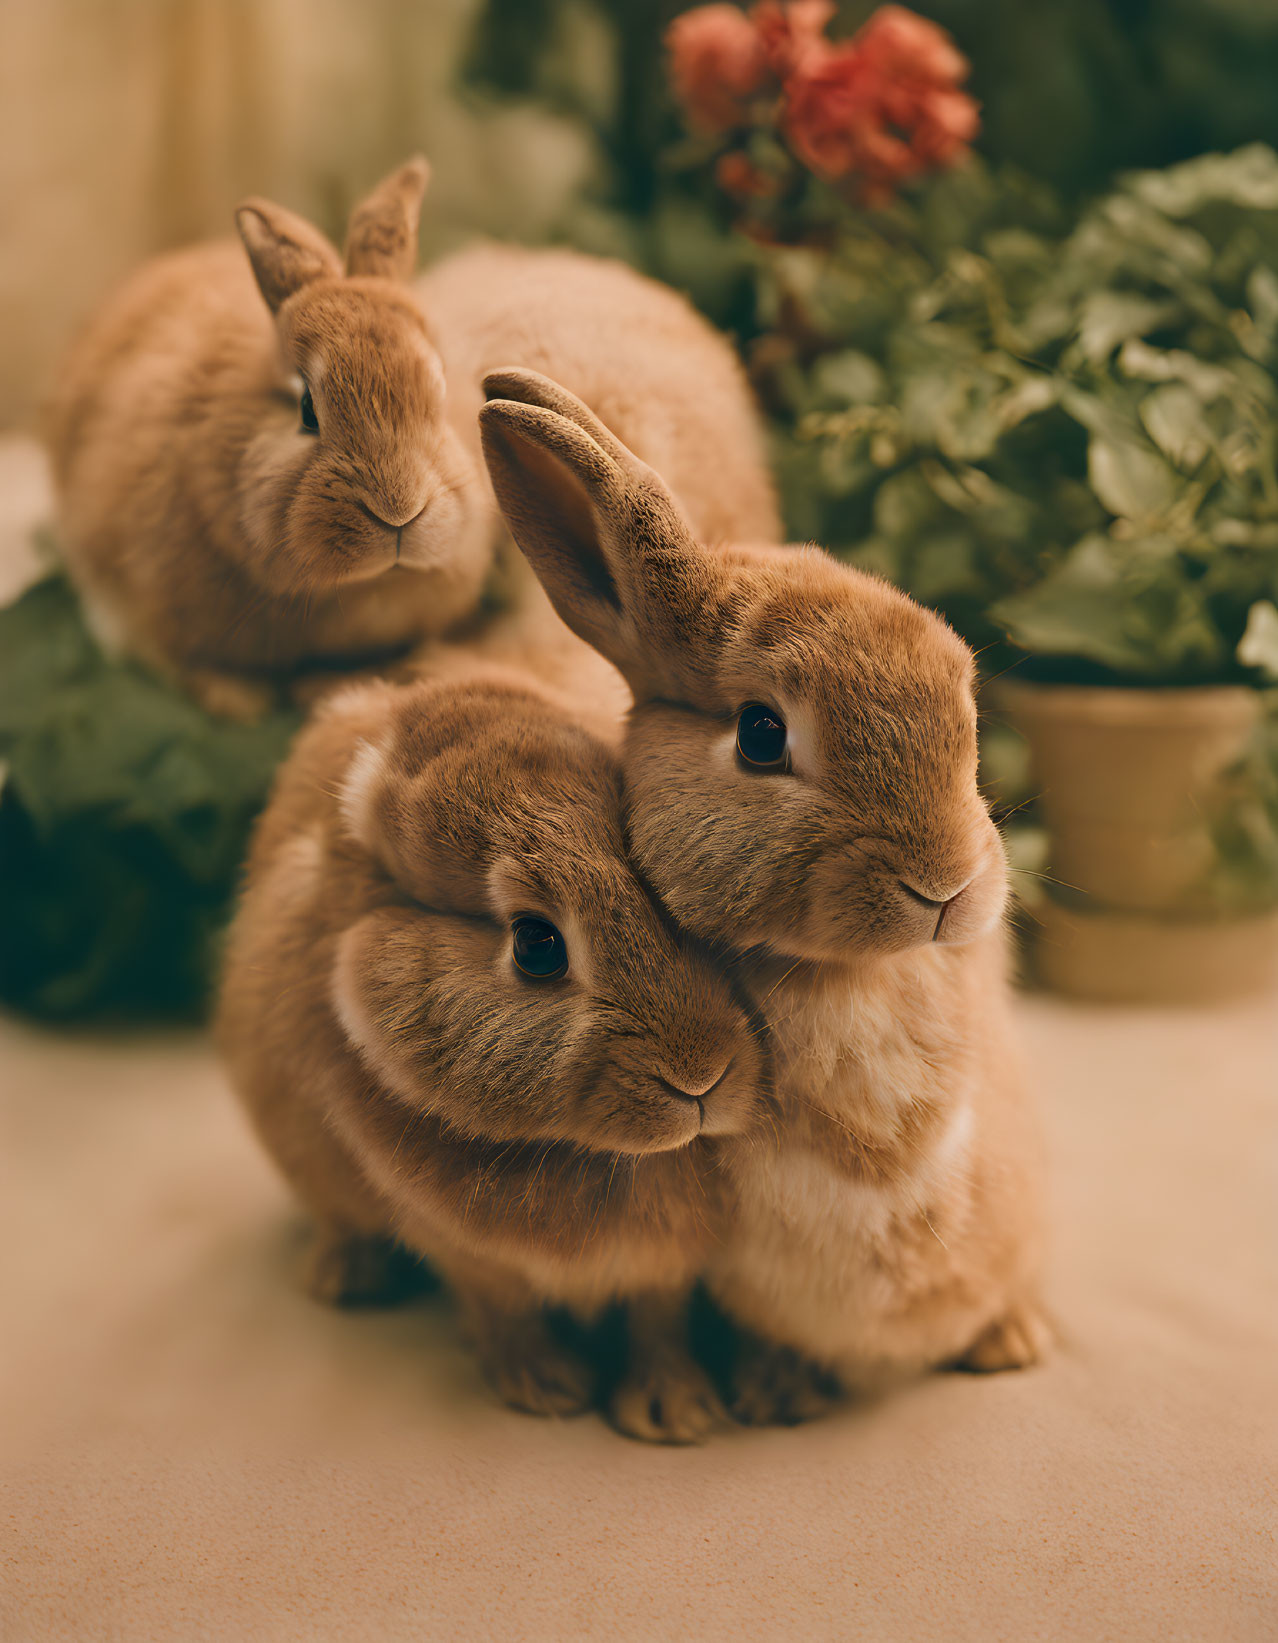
(650, 366)
(216, 540)
(528, 1137)
(635, 351)
(893, 1221)
(210, 534)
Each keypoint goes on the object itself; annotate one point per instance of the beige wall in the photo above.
(130, 125)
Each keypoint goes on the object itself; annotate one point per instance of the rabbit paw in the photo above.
(541, 1378)
(1015, 1341)
(776, 1386)
(671, 1400)
(351, 1269)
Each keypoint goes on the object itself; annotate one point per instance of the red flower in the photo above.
(791, 31)
(717, 63)
(883, 105)
(899, 44)
(834, 121)
(919, 68)
(947, 122)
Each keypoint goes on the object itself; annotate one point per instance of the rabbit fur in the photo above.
(893, 1220)
(542, 1142)
(235, 535)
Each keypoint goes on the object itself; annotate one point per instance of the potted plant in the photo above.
(1059, 433)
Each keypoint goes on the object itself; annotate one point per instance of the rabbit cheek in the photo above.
(337, 539)
(854, 904)
(273, 469)
(734, 1106)
(438, 534)
(979, 906)
(638, 1116)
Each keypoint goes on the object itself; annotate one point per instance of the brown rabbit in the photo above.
(800, 768)
(460, 1023)
(250, 489)
(256, 477)
(635, 351)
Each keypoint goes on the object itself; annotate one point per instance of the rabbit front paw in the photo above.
(667, 1400)
(1017, 1340)
(540, 1377)
(773, 1385)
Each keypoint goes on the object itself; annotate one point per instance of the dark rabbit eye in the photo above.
(310, 422)
(539, 949)
(761, 737)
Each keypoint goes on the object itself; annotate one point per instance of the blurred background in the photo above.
(1016, 346)
(133, 125)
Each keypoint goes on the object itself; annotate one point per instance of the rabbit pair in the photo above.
(800, 791)
(267, 465)
(463, 1028)
(800, 777)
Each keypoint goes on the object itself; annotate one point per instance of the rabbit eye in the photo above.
(539, 949)
(761, 737)
(310, 422)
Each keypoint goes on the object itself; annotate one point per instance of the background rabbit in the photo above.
(801, 789)
(460, 1022)
(254, 481)
(641, 356)
(255, 477)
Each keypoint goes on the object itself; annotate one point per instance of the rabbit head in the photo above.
(800, 762)
(520, 981)
(365, 473)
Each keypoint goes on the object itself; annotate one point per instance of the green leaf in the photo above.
(124, 815)
(905, 506)
(1173, 415)
(1258, 646)
(1129, 480)
(1262, 298)
(1122, 606)
(1111, 317)
(1208, 381)
(848, 377)
(1247, 177)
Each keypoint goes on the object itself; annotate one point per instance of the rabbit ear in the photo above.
(382, 237)
(286, 252)
(515, 382)
(608, 542)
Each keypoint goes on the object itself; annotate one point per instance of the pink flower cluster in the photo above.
(881, 106)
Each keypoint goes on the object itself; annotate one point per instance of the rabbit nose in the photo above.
(939, 905)
(401, 520)
(693, 1089)
(937, 902)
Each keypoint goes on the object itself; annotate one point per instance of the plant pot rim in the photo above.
(1129, 704)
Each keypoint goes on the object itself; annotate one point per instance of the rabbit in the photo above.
(650, 365)
(634, 350)
(461, 1026)
(257, 481)
(252, 465)
(800, 772)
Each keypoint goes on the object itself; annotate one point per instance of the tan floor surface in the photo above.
(193, 1450)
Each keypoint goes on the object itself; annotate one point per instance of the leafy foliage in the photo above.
(1061, 439)
(124, 815)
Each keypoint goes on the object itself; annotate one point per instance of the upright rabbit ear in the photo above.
(608, 541)
(382, 237)
(286, 252)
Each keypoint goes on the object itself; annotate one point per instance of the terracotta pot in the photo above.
(1126, 781)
